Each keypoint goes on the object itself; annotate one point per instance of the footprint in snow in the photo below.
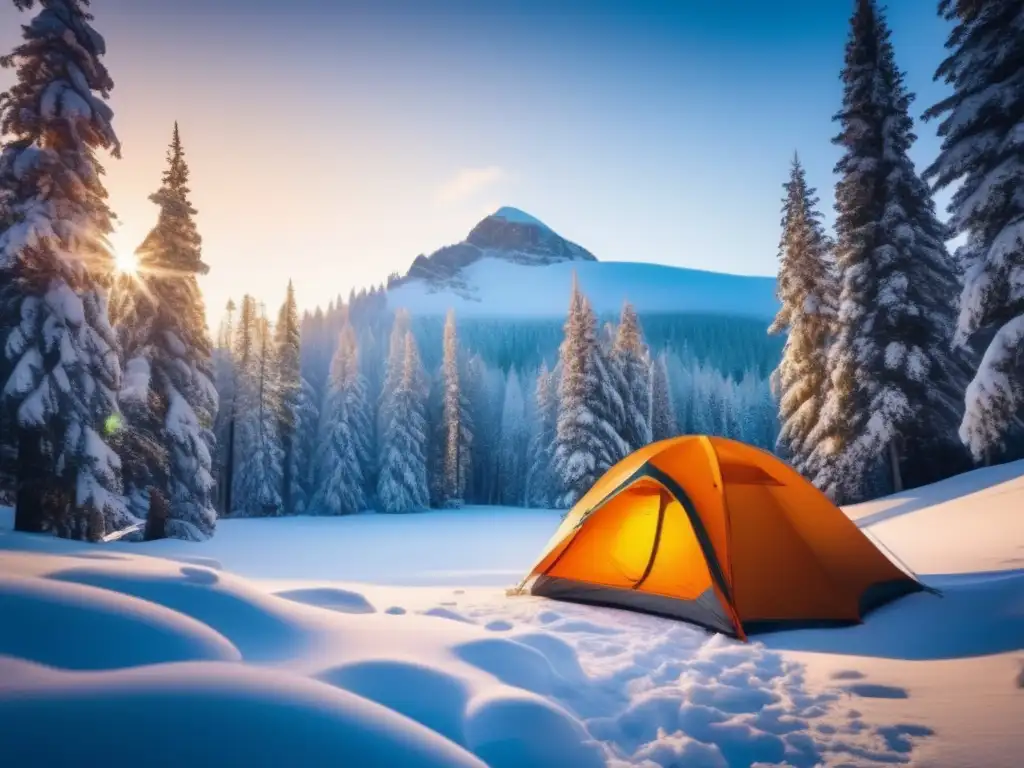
(499, 625)
(395, 610)
(444, 613)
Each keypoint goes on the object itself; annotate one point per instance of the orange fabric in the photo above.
(680, 569)
(783, 549)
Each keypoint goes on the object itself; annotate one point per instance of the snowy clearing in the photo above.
(388, 640)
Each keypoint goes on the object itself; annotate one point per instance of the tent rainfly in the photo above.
(720, 534)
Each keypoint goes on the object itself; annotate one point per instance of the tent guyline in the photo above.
(719, 534)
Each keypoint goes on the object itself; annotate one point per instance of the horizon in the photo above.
(382, 132)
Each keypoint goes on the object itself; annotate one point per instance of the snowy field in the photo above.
(388, 641)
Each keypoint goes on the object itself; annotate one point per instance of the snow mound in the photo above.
(328, 597)
(498, 288)
(100, 629)
(261, 717)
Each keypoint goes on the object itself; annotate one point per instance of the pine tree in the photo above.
(287, 343)
(258, 480)
(983, 151)
(514, 441)
(891, 370)
(242, 352)
(344, 451)
(402, 485)
(307, 419)
(807, 295)
(224, 379)
(631, 356)
(540, 477)
(586, 440)
(663, 412)
(392, 373)
(63, 369)
(458, 435)
(163, 334)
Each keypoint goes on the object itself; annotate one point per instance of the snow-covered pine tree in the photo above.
(242, 352)
(663, 412)
(342, 456)
(982, 134)
(540, 478)
(631, 356)
(892, 371)
(807, 294)
(485, 387)
(514, 440)
(307, 419)
(457, 429)
(224, 379)
(63, 369)
(258, 480)
(586, 442)
(287, 348)
(402, 484)
(168, 358)
(393, 368)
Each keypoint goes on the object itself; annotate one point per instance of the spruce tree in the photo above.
(895, 383)
(982, 132)
(663, 412)
(258, 480)
(402, 484)
(631, 356)
(806, 293)
(163, 331)
(457, 429)
(540, 477)
(224, 376)
(342, 457)
(307, 419)
(587, 441)
(287, 343)
(514, 441)
(393, 368)
(63, 372)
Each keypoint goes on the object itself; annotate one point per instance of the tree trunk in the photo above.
(229, 463)
(286, 473)
(28, 500)
(894, 464)
(156, 519)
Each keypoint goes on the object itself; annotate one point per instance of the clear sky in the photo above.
(332, 141)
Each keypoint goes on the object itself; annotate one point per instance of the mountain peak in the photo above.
(517, 216)
(508, 234)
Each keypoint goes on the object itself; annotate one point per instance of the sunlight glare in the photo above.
(127, 262)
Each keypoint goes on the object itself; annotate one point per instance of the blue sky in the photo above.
(331, 142)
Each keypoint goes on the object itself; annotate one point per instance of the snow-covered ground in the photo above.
(495, 287)
(389, 641)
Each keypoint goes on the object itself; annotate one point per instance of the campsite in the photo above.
(405, 621)
(547, 384)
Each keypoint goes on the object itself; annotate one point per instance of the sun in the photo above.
(122, 242)
(127, 263)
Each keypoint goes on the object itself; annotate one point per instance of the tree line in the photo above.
(376, 428)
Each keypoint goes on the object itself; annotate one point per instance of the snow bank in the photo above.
(205, 714)
(494, 287)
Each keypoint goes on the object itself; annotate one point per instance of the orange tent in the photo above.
(720, 534)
